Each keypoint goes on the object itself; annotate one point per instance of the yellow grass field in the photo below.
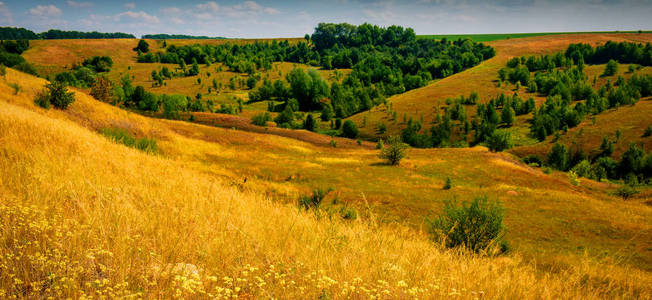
(214, 216)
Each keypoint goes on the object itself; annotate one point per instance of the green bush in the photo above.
(611, 68)
(261, 119)
(119, 135)
(3, 70)
(349, 129)
(499, 141)
(648, 131)
(449, 184)
(625, 192)
(477, 226)
(42, 99)
(313, 201)
(394, 151)
(348, 213)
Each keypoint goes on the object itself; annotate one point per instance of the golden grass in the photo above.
(85, 217)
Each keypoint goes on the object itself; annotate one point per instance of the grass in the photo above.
(122, 136)
(505, 36)
(215, 215)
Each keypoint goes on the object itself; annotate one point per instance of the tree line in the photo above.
(10, 56)
(16, 33)
(164, 36)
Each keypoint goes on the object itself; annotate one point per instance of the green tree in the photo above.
(508, 116)
(349, 129)
(558, 157)
(194, 70)
(499, 141)
(394, 151)
(58, 95)
(310, 123)
(143, 46)
(611, 68)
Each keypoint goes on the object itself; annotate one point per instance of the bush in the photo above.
(394, 151)
(499, 141)
(533, 160)
(349, 129)
(348, 213)
(3, 70)
(625, 192)
(42, 99)
(119, 135)
(56, 94)
(313, 201)
(261, 119)
(611, 68)
(648, 131)
(310, 123)
(477, 227)
(449, 184)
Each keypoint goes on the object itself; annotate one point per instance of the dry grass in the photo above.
(84, 217)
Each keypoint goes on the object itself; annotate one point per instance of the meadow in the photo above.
(490, 37)
(212, 212)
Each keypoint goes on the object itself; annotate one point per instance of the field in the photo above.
(505, 36)
(214, 212)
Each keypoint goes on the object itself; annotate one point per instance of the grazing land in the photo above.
(124, 198)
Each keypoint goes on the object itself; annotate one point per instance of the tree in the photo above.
(194, 70)
(499, 141)
(58, 95)
(143, 46)
(558, 157)
(508, 116)
(310, 123)
(251, 82)
(611, 68)
(394, 151)
(102, 89)
(349, 129)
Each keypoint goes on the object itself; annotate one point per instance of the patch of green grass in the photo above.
(503, 36)
(122, 136)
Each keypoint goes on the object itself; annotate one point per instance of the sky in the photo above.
(295, 18)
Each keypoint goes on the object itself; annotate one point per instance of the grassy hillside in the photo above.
(424, 102)
(86, 216)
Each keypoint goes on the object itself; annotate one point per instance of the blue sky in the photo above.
(263, 18)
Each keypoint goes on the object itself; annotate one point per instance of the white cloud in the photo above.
(5, 14)
(130, 5)
(45, 11)
(171, 10)
(209, 6)
(140, 15)
(79, 4)
(271, 11)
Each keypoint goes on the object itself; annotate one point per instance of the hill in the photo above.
(214, 214)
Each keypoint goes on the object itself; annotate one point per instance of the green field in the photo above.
(505, 36)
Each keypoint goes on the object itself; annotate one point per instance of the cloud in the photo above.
(45, 11)
(130, 5)
(79, 4)
(271, 11)
(140, 15)
(5, 14)
(171, 10)
(209, 6)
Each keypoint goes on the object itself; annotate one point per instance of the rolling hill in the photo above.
(214, 213)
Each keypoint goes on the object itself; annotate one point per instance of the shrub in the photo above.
(119, 135)
(56, 94)
(3, 70)
(558, 157)
(611, 68)
(477, 226)
(16, 88)
(499, 141)
(42, 99)
(333, 144)
(313, 201)
(348, 213)
(102, 89)
(573, 178)
(310, 123)
(261, 119)
(625, 192)
(647, 132)
(380, 144)
(349, 129)
(449, 184)
(533, 160)
(394, 151)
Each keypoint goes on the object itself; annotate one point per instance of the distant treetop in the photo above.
(164, 36)
(16, 33)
